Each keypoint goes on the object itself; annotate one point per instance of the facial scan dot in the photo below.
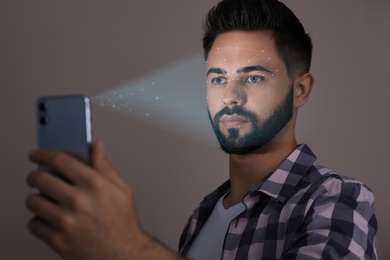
(141, 100)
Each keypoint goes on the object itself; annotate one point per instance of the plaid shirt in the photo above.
(300, 211)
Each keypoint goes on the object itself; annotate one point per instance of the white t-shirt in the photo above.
(209, 242)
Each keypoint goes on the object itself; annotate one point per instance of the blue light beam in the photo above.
(173, 97)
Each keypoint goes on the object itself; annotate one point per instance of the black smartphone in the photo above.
(64, 123)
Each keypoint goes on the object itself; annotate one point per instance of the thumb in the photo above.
(102, 165)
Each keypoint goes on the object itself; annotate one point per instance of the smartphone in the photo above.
(64, 123)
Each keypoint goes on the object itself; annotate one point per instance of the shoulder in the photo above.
(345, 203)
(323, 181)
(338, 217)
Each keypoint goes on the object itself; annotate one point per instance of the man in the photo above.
(276, 204)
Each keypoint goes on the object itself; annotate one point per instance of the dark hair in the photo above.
(292, 43)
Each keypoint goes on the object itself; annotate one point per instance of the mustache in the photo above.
(234, 111)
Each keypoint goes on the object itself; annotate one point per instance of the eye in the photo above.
(218, 80)
(254, 79)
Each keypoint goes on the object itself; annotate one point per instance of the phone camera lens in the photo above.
(42, 107)
(43, 120)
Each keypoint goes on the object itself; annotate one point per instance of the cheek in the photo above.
(265, 100)
(214, 100)
(261, 102)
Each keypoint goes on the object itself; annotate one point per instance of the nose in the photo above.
(234, 94)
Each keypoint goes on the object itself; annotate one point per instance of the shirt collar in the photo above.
(281, 183)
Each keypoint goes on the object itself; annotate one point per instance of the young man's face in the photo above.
(249, 94)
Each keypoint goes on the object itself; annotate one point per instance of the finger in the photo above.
(71, 168)
(50, 185)
(43, 208)
(101, 164)
(45, 232)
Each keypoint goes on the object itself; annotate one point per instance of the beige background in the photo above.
(90, 47)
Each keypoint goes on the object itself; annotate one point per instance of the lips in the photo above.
(231, 121)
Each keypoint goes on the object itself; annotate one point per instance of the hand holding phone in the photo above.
(68, 214)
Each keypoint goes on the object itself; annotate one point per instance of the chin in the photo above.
(242, 150)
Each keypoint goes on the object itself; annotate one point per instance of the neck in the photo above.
(249, 169)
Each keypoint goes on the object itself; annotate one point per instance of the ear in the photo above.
(302, 89)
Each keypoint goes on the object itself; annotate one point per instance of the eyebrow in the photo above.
(216, 71)
(240, 70)
(253, 68)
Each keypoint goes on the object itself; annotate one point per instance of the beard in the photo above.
(261, 132)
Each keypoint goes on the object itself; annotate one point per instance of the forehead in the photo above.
(238, 48)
